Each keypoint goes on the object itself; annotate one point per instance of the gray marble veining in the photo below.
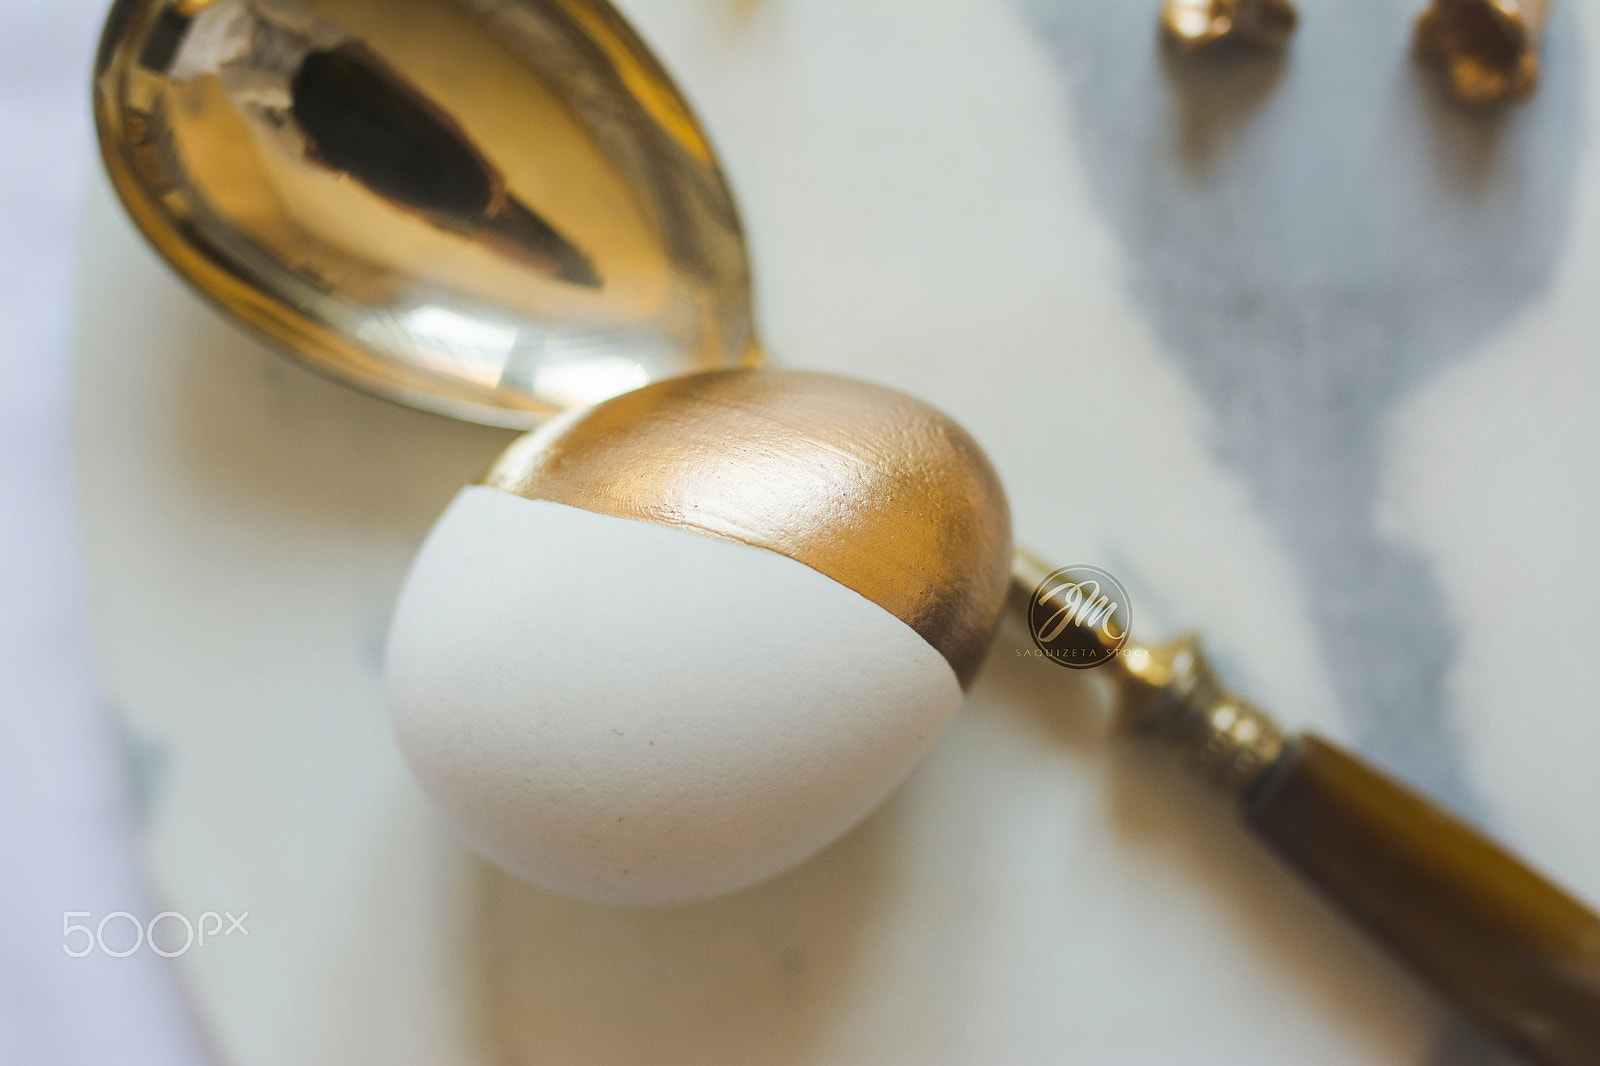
(1311, 235)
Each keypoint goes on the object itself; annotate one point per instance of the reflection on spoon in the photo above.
(362, 118)
(337, 102)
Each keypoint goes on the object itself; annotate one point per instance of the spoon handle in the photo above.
(1508, 947)
(1512, 950)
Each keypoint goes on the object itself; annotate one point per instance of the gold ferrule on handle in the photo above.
(1169, 690)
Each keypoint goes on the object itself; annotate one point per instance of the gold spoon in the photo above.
(501, 210)
(493, 210)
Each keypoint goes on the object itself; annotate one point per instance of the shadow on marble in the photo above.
(755, 977)
(1215, 93)
(277, 436)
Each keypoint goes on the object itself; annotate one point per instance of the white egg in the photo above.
(626, 711)
(631, 686)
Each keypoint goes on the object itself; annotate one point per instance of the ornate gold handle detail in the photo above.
(1511, 949)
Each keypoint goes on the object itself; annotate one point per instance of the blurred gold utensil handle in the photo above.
(1515, 952)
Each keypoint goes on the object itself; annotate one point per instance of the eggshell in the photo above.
(626, 711)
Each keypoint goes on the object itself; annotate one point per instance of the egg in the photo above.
(676, 643)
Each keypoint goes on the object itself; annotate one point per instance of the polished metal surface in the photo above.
(1489, 48)
(1169, 690)
(494, 209)
(879, 491)
(1196, 25)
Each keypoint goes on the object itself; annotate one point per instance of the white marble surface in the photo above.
(1282, 417)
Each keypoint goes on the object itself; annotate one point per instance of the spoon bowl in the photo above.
(497, 210)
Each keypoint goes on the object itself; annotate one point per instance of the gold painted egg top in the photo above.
(877, 490)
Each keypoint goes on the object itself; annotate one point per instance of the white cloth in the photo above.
(65, 803)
